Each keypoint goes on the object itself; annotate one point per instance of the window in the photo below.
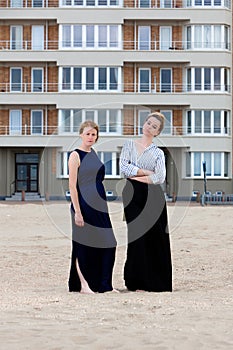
(166, 4)
(188, 164)
(207, 37)
(16, 79)
(90, 36)
(102, 119)
(141, 119)
(144, 38)
(66, 78)
(37, 79)
(109, 120)
(69, 120)
(111, 163)
(102, 39)
(216, 164)
(144, 80)
(90, 82)
(16, 3)
(37, 122)
(63, 159)
(77, 36)
(166, 80)
(113, 121)
(15, 122)
(102, 78)
(113, 78)
(38, 3)
(217, 79)
(90, 78)
(197, 78)
(208, 161)
(114, 35)
(37, 38)
(167, 130)
(208, 122)
(144, 3)
(66, 36)
(16, 38)
(208, 79)
(77, 78)
(84, 3)
(217, 122)
(165, 38)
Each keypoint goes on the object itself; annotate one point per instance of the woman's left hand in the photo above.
(79, 219)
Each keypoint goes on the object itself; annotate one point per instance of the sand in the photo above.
(38, 312)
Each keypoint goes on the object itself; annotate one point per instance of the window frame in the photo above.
(41, 126)
(217, 165)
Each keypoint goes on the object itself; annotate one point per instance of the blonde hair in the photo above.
(159, 116)
(91, 124)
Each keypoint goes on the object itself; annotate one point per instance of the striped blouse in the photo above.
(152, 158)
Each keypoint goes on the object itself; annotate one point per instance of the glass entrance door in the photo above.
(26, 178)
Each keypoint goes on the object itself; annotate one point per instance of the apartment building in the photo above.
(114, 61)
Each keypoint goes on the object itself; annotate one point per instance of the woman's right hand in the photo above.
(79, 219)
(144, 172)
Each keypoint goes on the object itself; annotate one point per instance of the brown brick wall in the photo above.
(53, 78)
(177, 122)
(128, 78)
(4, 78)
(53, 37)
(52, 121)
(177, 79)
(128, 71)
(5, 36)
(26, 78)
(128, 122)
(4, 121)
(27, 36)
(52, 118)
(128, 3)
(26, 120)
(177, 37)
(128, 36)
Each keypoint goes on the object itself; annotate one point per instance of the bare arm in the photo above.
(74, 163)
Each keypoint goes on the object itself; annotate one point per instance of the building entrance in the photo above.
(26, 177)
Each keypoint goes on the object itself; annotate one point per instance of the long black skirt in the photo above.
(148, 263)
(96, 263)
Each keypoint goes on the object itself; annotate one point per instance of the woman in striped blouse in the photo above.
(148, 264)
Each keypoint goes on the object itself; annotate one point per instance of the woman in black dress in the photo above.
(148, 264)
(93, 241)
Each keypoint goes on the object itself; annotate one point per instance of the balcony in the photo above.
(113, 88)
(142, 46)
(38, 131)
(139, 4)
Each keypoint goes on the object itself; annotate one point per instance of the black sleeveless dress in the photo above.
(94, 245)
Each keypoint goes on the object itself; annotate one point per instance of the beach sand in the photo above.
(38, 312)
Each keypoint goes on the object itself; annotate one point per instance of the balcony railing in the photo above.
(76, 88)
(28, 130)
(144, 46)
(141, 4)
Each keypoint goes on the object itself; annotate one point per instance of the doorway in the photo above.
(26, 168)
